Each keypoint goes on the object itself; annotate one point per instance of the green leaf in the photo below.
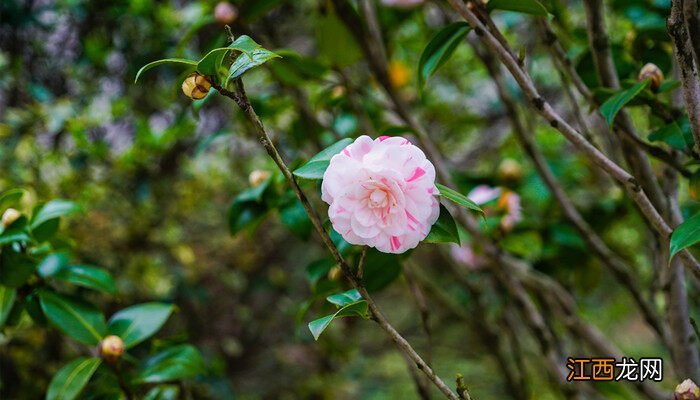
(52, 264)
(213, 61)
(532, 7)
(10, 198)
(294, 217)
(16, 232)
(335, 43)
(670, 134)
(245, 62)
(52, 209)
(248, 207)
(164, 392)
(439, 49)
(254, 193)
(178, 362)
(88, 277)
(345, 298)
(7, 300)
(380, 270)
(15, 266)
(358, 308)
(444, 230)
(317, 165)
(614, 104)
(77, 319)
(685, 235)
(164, 61)
(458, 198)
(318, 269)
(137, 323)
(668, 85)
(70, 380)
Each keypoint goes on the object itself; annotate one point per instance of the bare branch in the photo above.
(526, 84)
(688, 70)
(619, 267)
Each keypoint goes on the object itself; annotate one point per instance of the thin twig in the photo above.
(239, 96)
(526, 84)
(689, 73)
(620, 268)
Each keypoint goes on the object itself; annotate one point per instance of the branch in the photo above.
(689, 72)
(566, 69)
(526, 84)
(239, 96)
(620, 268)
(692, 19)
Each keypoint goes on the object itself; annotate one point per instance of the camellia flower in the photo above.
(508, 202)
(381, 193)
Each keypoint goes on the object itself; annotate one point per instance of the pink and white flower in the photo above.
(381, 193)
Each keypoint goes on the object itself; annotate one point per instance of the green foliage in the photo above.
(88, 277)
(614, 104)
(458, 198)
(317, 165)
(7, 300)
(345, 298)
(175, 363)
(76, 318)
(74, 315)
(354, 309)
(439, 49)
(162, 62)
(138, 323)
(444, 230)
(676, 134)
(685, 235)
(217, 61)
(70, 380)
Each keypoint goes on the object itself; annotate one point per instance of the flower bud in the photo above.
(225, 13)
(11, 215)
(652, 71)
(335, 273)
(258, 176)
(510, 170)
(687, 390)
(111, 348)
(338, 92)
(196, 86)
(398, 74)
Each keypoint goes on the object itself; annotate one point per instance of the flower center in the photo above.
(378, 199)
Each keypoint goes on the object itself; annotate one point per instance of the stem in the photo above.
(620, 268)
(526, 84)
(688, 70)
(239, 96)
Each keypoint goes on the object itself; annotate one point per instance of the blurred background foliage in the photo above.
(155, 175)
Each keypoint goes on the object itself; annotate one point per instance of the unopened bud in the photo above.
(225, 13)
(687, 390)
(652, 71)
(196, 86)
(399, 73)
(335, 273)
(338, 91)
(111, 348)
(258, 176)
(510, 170)
(11, 215)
